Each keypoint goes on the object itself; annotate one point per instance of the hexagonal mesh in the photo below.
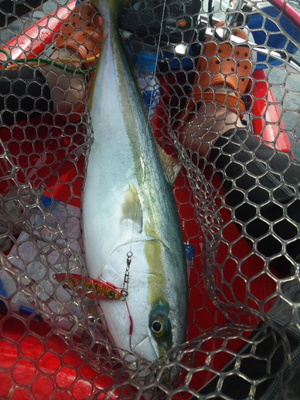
(236, 194)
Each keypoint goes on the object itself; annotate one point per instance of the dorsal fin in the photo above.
(170, 164)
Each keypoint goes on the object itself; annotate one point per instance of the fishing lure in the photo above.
(93, 288)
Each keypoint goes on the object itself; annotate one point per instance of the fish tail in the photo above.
(109, 9)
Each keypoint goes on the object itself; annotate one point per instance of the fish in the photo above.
(131, 229)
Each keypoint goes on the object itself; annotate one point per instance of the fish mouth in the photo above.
(147, 350)
(165, 370)
(161, 366)
(150, 369)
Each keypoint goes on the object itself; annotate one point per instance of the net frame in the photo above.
(59, 352)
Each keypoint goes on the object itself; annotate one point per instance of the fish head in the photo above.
(156, 338)
(152, 318)
(167, 288)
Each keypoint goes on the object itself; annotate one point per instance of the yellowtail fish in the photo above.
(131, 231)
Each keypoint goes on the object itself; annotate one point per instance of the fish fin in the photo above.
(132, 208)
(171, 165)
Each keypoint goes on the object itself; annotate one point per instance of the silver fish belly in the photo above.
(129, 214)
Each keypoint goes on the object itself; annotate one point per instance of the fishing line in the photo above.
(157, 49)
(130, 326)
(160, 32)
(129, 256)
(124, 292)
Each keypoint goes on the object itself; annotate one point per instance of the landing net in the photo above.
(238, 204)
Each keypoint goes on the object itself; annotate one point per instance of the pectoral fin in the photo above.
(132, 208)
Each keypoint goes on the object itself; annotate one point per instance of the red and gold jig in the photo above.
(93, 288)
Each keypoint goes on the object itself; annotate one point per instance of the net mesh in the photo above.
(238, 204)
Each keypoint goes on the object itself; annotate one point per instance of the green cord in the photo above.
(6, 53)
(46, 61)
(49, 62)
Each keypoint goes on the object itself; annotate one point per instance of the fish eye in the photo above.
(111, 294)
(160, 326)
(157, 326)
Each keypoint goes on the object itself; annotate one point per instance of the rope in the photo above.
(37, 61)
